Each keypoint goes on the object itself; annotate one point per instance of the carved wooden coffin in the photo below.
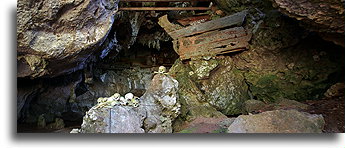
(212, 43)
(210, 38)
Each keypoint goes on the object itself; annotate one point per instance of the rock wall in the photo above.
(51, 98)
(57, 37)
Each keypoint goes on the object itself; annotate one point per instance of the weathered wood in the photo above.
(212, 48)
(168, 27)
(227, 21)
(213, 36)
(190, 20)
(162, 8)
(164, 0)
(209, 38)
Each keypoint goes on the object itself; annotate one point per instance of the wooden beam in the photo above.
(164, 0)
(227, 21)
(162, 8)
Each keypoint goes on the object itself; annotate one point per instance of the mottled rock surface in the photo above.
(56, 37)
(278, 121)
(160, 105)
(253, 105)
(119, 119)
(226, 89)
(321, 15)
(202, 68)
(207, 125)
(193, 101)
(289, 104)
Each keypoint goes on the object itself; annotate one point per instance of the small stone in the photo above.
(129, 96)
(75, 131)
(335, 90)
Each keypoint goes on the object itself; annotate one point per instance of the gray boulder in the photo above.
(278, 121)
(119, 119)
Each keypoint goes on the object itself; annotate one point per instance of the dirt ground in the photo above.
(332, 109)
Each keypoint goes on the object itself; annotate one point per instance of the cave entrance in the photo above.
(130, 67)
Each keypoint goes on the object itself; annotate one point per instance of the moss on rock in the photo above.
(193, 101)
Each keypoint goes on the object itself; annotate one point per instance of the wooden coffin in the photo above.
(210, 38)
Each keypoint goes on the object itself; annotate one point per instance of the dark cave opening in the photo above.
(123, 70)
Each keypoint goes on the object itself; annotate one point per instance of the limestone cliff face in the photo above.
(57, 36)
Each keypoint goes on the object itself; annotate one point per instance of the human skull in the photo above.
(116, 96)
(123, 100)
(129, 96)
(161, 69)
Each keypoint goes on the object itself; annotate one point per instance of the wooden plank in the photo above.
(190, 20)
(214, 47)
(165, 0)
(213, 36)
(212, 43)
(168, 27)
(162, 8)
(227, 21)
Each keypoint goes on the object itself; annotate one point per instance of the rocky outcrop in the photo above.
(226, 89)
(214, 82)
(278, 121)
(193, 101)
(57, 37)
(320, 15)
(160, 104)
(326, 17)
(157, 110)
